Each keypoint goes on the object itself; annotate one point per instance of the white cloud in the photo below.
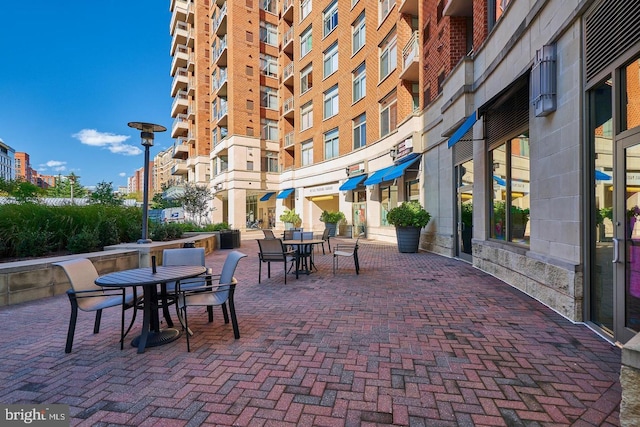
(122, 174)
(110, 141)
(54, 165)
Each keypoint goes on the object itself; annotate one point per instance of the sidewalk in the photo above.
(415, 339)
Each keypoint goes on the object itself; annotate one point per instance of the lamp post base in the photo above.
(143, 241)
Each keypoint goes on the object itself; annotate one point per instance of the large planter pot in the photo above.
(332, 228)
(408, 239)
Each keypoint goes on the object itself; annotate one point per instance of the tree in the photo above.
(65, 184)
(195, 201)
(26, 192)
(104, 195)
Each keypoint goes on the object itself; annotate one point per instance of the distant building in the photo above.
(23, 169)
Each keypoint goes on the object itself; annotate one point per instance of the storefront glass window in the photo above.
(388, 200)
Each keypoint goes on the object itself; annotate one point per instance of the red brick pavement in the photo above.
(415, 339)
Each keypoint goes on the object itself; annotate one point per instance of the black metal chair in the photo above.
(272, 250)
(87, 296)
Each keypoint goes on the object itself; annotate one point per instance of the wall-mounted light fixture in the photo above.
(544, 81)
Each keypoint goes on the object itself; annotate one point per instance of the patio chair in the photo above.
(268, 234)
(349, 250)
(209, 295)
(325, 237)
(87, 296)
(272, 250)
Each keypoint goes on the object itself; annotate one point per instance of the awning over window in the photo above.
(352, 183)
(464, 128)
(285, 193)
(267, 196)
(398, 170)
(499, 180)
(601, 176)
(377, 176)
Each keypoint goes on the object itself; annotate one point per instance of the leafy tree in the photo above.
(195, 201)
(64, 184)
(26, 192)
(160, 202)
(104, 195)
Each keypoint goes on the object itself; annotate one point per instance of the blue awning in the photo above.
(601, 176)
(377, 176)
(267, 196)
(398, 170)
(285, 193)
(499, 180)
(352, 182)
(464, 128)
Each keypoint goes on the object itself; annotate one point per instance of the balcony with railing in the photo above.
(180, 150)
(180, 168)
(287, 74)
(220, 21)
(288, 140)
(180, 103)
(180, 81)
(179, 11)
(287, 10)
(287, 41)
(180, 36)
(287, 107)
(220, 52)
(180, 57)
(180, 126)
(411, 59)
(218, 83)
(411, 7)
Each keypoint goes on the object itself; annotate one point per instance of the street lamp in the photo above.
(146, 134)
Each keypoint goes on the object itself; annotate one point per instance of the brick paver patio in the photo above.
(415, 339)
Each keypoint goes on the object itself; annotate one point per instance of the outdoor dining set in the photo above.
(183, 280)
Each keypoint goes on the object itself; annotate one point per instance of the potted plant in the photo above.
(331, 219)
(291, 219)
(466, 217)
(519, 220)
(408, 219)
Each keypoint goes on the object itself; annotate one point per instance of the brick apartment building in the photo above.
(514, 123)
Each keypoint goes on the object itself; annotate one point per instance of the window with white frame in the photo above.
(359, 31)
(360, 131)
(268, 33)
(306, 41)
(270, 162)
(384, 7)
(331, 144)
(306, 151)
(331, 102)
(388, 55)
(306, 116)
(305, 8)
(269, 97)
(306, 78)
(268, 65)
(269, 5)
(388, 114)
(331, 60)
(269, 129)
(330, 18)
(359, 82)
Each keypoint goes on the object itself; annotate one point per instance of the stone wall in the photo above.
(630, 382)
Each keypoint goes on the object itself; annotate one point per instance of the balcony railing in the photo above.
(221, 46)
(288, 140)
(220, 15)
(411, 58)
(287, 73)
(287, 107)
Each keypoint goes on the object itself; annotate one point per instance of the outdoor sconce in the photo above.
(146, 136)
(544, 81)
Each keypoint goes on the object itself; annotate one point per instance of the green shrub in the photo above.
(85, 241)
(163, 232)
(33, 243)
(108, 233)
(408, 214)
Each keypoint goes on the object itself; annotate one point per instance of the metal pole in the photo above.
(145, 199)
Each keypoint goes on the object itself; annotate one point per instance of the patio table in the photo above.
(302, 242)
(149, 278)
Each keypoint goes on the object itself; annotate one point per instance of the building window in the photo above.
(331, 144)
(270, 162)
(384, 7)
(359, 33)
(330, 18)
(360, 131)
(306, 42)
(388, 55)
(268, 65)
(359, 82)
(305, 8)
(306, 78)
(331, 102)
(269, 97)
(306, 152)
(439, 11)
(388, 114)
(496, 9)
(440, 81)
(388, 201)
(412, 190)
(268, 33)
(269, 5)
(269, 129)
(306, 116)
(331, 60)
(415, 96)
(510, 188)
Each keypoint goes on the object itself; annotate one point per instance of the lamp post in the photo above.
(146, 134)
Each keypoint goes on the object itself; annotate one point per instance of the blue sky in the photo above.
(72, 75)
